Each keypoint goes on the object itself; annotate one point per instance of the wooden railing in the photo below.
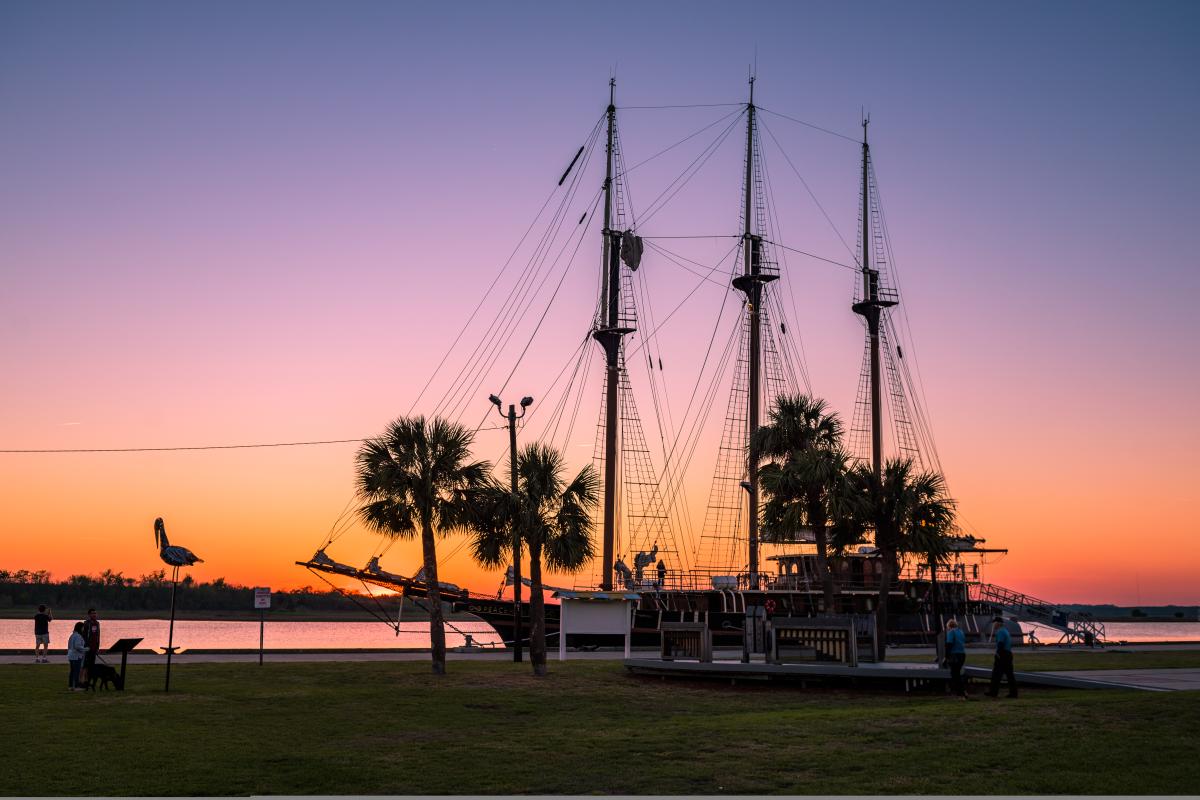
(813, 639)
(689, 640)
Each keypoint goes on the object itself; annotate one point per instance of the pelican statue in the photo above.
(174, 557)
(171, 554)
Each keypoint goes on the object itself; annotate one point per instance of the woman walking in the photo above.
(76, 648)
(956, 656)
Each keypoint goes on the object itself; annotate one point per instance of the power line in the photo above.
(173, 449)
(198, 447)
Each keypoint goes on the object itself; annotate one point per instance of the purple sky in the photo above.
(228, 222)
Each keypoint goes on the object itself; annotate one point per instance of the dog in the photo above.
(104, 675)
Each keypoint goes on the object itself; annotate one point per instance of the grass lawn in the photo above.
(1048, 661)
(364, 728)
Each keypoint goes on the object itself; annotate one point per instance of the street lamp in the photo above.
(512, 418)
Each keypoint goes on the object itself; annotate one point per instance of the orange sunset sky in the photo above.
(224, 226)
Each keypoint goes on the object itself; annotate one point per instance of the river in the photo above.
(1116, 632)
(243, 635)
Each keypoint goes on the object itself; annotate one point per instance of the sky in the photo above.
(252, 223)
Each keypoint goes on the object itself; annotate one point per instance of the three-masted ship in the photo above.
(734, 575)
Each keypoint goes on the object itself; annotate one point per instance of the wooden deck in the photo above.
(896, 675)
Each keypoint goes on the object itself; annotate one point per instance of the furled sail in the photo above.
(631, 250)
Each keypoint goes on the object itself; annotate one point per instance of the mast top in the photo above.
(752, 90)
(612, 93)
(866, 120)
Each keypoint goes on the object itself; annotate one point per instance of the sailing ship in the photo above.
(734, 576)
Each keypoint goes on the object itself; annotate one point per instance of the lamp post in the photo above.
(512, 418)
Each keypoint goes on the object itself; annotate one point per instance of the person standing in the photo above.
(76, 650)
(662, 573)
(1003, 664)
(91, 635)
(956, 656)
(41, 635)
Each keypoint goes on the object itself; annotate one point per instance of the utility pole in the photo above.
(512, 418)
(171, 628)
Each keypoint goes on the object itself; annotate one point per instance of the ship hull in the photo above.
(912, 620)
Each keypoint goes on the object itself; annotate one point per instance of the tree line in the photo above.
(114, 591)
(419, 479)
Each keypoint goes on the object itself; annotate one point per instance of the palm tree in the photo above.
(555, 522)
(806, 467)
(909, 513)
(412, 480)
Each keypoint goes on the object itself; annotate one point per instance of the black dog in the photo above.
(104, 675)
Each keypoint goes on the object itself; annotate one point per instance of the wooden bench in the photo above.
(809, 639)
(686, 640)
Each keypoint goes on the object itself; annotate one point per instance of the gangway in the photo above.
(1075, 627)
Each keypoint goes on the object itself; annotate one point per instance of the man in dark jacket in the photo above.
(91, 635)
(1003, 664)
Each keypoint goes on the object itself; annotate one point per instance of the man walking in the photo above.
(1003, 665)
(91, 635)
(41, 636)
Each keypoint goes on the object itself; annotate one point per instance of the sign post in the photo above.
(262, 601)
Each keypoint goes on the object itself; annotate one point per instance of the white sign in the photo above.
(262, 597)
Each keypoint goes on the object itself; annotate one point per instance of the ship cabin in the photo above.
(858, 571)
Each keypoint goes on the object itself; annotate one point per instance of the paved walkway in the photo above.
(1178, 679)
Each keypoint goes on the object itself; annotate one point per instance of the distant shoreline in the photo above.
(223, 616)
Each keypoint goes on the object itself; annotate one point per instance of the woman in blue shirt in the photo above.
(956, 656)
(76, 648)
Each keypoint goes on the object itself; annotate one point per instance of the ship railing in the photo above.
(702, 581)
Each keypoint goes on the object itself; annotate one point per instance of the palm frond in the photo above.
(389, 518)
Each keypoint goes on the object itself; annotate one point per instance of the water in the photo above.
(243, 635)
(1130, 632)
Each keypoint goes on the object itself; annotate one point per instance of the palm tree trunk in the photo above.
(822, 537)
(537, 613)
(437, 624)
(881, 610)
(934, 596)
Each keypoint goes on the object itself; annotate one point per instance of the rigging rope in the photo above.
(810, 125)
(625, 172)
(492, 286)
(507, 316)
(689, 172)
(811, 194)
(685, 105)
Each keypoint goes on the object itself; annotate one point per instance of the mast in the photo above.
(750, 282)
(609, 335)
(871, 308)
